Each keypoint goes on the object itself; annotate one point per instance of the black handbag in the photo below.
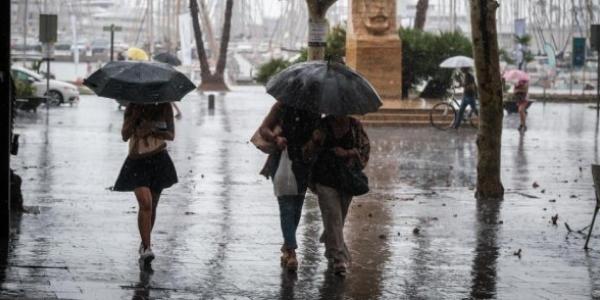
(353, 180)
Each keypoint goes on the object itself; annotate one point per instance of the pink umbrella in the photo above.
(516, 75)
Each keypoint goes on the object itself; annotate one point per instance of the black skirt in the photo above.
(156, 172)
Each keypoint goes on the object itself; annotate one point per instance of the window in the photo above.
(22, 76)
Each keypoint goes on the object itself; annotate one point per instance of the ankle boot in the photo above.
(289, 260)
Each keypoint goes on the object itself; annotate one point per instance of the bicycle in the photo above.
(443, 115)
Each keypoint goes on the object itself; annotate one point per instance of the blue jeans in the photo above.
(466, 101)
(290, 211)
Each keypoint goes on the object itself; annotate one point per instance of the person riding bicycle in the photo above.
(469, 94)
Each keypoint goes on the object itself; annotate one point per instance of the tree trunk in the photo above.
(317, 22)
(487, 65)
(204, 67)
(210, 36)
(421, 15)
(6, 93)
(225, 39)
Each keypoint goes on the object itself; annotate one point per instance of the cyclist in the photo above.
(469, 94)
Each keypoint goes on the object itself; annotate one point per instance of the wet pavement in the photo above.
(217, 234)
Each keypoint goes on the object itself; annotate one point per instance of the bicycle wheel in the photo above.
(441, 116)
(473, 119)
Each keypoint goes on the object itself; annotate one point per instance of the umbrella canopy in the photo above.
(168, 58)
(516, 76)
(457, 62)
(324, 87)
(137, 54)
(139, 82)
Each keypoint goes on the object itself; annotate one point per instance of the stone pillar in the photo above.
(373, 47)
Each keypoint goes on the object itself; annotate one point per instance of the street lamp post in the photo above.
(48, 36)
(112, 28)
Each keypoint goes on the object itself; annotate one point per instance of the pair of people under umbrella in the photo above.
(327, 154)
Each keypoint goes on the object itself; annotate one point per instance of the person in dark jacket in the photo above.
(339, 142)
(290, 129)
(469, 96)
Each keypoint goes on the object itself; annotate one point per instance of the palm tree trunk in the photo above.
(225, 39)
(421, 15)
(317, 22)
(204, 67)
(210, 36)
(487, 65)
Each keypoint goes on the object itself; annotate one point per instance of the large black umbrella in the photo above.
(139, 82)
(324, 87)
(168, 58)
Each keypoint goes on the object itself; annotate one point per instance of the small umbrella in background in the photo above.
(324, 87)
(515, 76)
(138, 54)
(457, 62)
(168, 58)
(139, 82)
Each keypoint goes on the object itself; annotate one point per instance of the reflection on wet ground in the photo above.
(418, 235)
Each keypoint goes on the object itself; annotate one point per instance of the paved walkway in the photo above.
(217, 235)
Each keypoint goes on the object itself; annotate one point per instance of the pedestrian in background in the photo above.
(148, 169)
(469, 95)
(521, 91)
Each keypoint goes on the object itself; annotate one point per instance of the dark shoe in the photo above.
(292, 263)
(340, 268)
(146, 256)
(289, 260)
(284, 257)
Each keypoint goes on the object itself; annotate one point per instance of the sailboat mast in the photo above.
(151, 26)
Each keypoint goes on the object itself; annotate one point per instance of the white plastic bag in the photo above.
(284, 182)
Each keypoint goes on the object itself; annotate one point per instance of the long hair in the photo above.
(151, 112)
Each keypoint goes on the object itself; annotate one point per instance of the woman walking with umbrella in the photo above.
(148, 168)
(289, 129)
(521, 90)
(149, 87)
(338, 149)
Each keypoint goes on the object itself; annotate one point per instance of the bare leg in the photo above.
(155, 198)
(144, 197)
(522, 114)
(177, 111)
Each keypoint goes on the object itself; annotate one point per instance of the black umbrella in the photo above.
(168, 58)
(139, 82)
(324, 87)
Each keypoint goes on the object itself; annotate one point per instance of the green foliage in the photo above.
(422, 53)
(524, 40)
(336, 48)
(302, 58)
(24, 88)
(36, 65)
(506, 57)
(528, 56)
(270, 68)
(336, 42)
